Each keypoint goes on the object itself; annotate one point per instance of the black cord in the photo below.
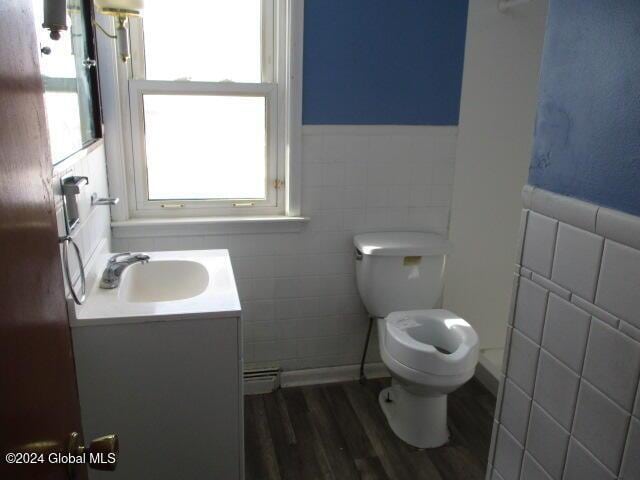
(363, 379)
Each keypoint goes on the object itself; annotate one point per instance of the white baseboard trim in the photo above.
(349, 373)
(317, 376)
(488, 375)
(259, 386)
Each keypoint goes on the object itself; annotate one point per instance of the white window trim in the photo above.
(153, 208)
(114, 83)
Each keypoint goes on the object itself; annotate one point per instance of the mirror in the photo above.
(69, 74)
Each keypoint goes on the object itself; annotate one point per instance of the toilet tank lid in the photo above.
(402, 244)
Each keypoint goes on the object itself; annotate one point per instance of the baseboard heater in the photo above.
(261, 380)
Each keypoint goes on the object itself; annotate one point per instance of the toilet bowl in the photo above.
(429, 353)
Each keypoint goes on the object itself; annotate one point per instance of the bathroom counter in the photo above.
(219, 299)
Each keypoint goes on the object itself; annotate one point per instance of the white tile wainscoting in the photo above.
(569, 399)
(93, 232)
(301, 308)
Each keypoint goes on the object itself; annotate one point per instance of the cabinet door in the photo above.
(171, 390)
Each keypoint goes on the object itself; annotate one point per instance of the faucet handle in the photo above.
(114, 258)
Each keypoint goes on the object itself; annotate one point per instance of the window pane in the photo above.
(205, 147)
(212, 40)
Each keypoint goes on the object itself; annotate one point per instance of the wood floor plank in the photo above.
(473, 429)
(371, 469)
(289, 461)
(387, 459)
(261, 462)
(252, 465)
(457, 462)
(420, 460)
(312, 455)
(391, 451)
(351, 428)
(480, 400)
(339, 432)
(286, 420)
(328, 431)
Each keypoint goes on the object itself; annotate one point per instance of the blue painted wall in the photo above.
(383, 61)
(587, 138)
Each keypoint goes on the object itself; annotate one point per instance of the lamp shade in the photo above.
(126, 5)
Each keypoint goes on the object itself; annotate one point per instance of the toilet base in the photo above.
(420, 421)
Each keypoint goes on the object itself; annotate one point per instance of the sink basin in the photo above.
(163, 281)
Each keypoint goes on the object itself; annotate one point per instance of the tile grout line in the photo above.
(541, 407)
(537, 367)
(579, 375)
(539, 465)
(535, 382)
(599, 273)
(596, 459)
(573, 417)
(620, 321)
(636, 399)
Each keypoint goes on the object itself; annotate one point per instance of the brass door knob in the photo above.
(101, 454)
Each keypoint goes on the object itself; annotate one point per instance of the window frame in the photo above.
(127, 177)
(192, 207)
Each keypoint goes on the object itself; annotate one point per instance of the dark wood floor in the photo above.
(339, 432)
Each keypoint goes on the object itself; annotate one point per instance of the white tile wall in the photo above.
(94, 228)
(539, 244)
(530, 309)
(547, 441)
(631, 465)
(300, 304)
(577, 262)
(532, 470)
(620, 282)
(577, 389)
(581, 464)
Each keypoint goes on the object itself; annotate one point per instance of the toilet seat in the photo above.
(418, 340)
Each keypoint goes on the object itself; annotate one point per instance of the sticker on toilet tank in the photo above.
(411, 261)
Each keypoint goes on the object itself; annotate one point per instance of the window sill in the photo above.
(195, 226)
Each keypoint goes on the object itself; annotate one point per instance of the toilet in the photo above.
(429, 352)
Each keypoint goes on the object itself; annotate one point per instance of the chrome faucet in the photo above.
(115, 267)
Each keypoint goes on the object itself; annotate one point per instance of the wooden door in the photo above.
(38, 396)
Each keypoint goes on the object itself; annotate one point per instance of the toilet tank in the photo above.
(398, 271)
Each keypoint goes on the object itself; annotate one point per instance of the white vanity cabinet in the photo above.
(159, 363)
(171, 390)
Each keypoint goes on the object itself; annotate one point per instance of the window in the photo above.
(70, 82)
(209, 120)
